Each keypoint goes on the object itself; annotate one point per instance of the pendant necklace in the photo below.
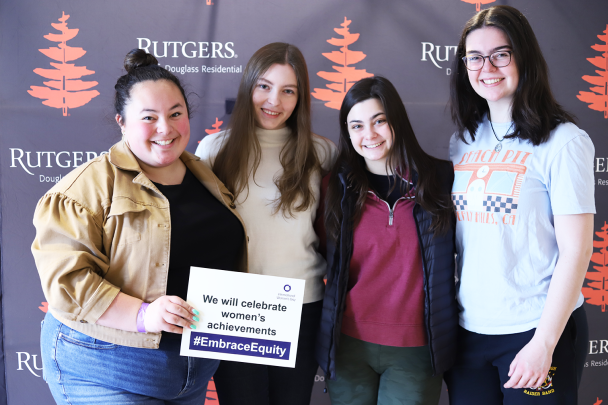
(498, 146)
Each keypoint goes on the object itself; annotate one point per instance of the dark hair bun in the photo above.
(137, 58)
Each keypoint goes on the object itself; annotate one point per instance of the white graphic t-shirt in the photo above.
(505, 202)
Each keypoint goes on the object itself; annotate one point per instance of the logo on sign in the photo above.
(64, 90)
(188, 49)
(438, 53)
(597, 98)
(28, 160)
(29, 361)
(346, 75)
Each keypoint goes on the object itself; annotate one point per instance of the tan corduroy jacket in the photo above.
(106, 228)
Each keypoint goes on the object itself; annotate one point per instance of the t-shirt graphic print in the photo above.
(506, 199)
(487, 183)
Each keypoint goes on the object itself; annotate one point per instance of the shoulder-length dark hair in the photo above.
(239, 156)
(535, 112)
(405, 157)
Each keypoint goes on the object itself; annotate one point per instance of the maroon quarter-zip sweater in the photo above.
(385, 301)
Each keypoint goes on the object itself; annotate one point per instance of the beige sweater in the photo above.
(279, 246)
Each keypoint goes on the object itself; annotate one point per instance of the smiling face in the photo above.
(275, 96)
(496, 85)
(156, 124)
(370, 134)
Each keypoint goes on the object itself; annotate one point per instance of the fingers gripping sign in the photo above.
(170, 313)
(531, 366)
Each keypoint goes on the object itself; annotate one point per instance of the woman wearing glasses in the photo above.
(524, 197)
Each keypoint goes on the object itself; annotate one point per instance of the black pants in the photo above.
(254, 384)
(482, 365)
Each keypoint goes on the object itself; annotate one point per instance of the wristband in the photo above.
(141, 328)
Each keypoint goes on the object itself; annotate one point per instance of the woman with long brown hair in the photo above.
(389, 318)
(273, 164)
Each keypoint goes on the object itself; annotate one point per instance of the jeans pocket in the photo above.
(72, 336)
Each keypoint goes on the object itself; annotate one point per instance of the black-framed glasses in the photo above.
(497, 59)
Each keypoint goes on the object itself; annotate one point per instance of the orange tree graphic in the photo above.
(596, 291)
(598, 402)
(63, 90)
(346, 75)
(216, 127)
(211, 398)
(598, 96)
(44, 307)
(478, 3)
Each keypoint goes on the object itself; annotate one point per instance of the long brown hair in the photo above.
(535, 112)
(240, 154)
(405, 157)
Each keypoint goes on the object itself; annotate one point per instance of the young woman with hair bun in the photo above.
(524, 195)
(115, 239)
(272, 163)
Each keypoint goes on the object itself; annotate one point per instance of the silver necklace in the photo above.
(498, 146)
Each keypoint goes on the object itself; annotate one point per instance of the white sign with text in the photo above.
(244, 317)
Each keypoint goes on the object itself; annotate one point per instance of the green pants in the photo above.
(369, 374)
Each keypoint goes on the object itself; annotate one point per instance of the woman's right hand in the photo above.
(169, 313)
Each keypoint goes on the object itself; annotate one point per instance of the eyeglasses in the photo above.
(497, 59)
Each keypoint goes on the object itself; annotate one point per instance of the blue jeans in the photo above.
(83, 370)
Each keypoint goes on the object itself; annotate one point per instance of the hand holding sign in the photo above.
(168, 313)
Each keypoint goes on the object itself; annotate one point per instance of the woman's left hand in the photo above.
(530, 367)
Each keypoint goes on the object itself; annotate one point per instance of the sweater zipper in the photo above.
(391, 211)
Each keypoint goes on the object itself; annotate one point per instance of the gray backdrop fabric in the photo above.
(46, 132)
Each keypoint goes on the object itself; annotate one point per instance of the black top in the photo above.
(381, 184)
(204, 233)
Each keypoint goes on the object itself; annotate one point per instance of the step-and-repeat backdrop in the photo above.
(47, 131)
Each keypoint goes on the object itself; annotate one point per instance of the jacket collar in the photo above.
(344, 170)
(121, 156)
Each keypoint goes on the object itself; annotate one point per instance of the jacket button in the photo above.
(248, 239)
(83, 321)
